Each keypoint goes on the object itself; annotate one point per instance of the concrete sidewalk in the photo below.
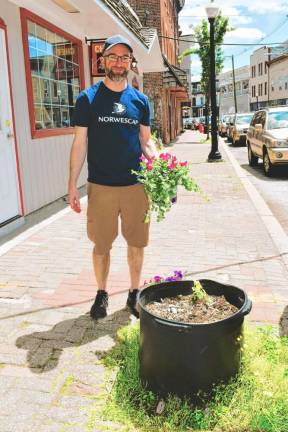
(51, 379)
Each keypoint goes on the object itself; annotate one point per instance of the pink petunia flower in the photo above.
(157, 278)
(165, 156)
(184, 163)
(172, 165)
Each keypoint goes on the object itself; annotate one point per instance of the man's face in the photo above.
(117, 62)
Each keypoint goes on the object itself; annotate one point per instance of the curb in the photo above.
(274, 228)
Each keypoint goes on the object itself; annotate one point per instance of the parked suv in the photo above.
(239, 129)
(267, 138)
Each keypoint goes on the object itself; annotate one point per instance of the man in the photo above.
(114, 118)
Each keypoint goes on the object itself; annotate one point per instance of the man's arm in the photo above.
(147, 144)
(77, 158)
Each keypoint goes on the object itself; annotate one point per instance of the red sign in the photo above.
(67, 62)
(96, 54)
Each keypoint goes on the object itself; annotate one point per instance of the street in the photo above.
(274, 190)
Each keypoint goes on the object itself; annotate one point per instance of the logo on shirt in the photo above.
(118, 108)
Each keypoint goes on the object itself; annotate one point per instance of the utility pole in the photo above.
(234, 85)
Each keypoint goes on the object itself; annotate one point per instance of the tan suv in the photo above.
(267, 138)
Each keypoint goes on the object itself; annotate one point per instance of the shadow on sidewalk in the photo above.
(45, 348)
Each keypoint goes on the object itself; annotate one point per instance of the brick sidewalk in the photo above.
(48, 365)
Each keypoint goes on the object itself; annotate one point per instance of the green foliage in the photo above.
(157, 141)
(198, 292)
(254, 402)
(70, 379)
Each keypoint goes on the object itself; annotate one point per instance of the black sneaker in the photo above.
(131, 302)
(98, 309)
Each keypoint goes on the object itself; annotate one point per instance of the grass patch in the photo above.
(254, 402)
(205, 140)
(70, 379)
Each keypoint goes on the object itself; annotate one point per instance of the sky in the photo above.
(253, 21)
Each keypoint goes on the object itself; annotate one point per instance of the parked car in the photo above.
(239, 128)
(191, 122)
(195, 123)
(187, 122)
(223, 124)
(267, 138)
(230, 124)
(202, 121)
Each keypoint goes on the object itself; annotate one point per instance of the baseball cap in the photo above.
(116, 40)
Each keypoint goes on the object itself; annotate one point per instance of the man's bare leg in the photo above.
(101, 264)
(135, 261)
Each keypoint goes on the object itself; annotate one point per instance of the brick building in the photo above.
(168, 89)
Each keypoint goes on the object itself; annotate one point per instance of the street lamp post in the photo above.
(214, 155)
(257, 103)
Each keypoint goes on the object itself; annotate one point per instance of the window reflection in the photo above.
(54, 63)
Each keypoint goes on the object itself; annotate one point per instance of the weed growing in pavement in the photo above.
(70, 379)
(255, 401)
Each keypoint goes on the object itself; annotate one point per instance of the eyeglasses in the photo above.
(114, 58)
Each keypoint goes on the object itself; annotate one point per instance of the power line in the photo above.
(205, 16)
(266, 36)
(225, 44)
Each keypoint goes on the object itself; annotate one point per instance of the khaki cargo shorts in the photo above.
(106, 204)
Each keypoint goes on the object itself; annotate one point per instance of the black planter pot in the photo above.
(183, 359)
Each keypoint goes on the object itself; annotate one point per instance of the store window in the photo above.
(54, 75)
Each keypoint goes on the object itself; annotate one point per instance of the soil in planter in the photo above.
(184, 309)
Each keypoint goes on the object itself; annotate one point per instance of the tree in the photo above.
(202, 36)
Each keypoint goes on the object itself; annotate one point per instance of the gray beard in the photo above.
(116, 77)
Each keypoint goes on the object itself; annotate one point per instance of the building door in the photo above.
(9, 194)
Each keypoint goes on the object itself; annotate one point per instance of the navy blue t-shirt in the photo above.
(113, 120)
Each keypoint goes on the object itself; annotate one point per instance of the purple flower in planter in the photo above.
(169, 279)
(178, 274)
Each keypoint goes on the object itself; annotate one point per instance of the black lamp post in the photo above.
(214, 155)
